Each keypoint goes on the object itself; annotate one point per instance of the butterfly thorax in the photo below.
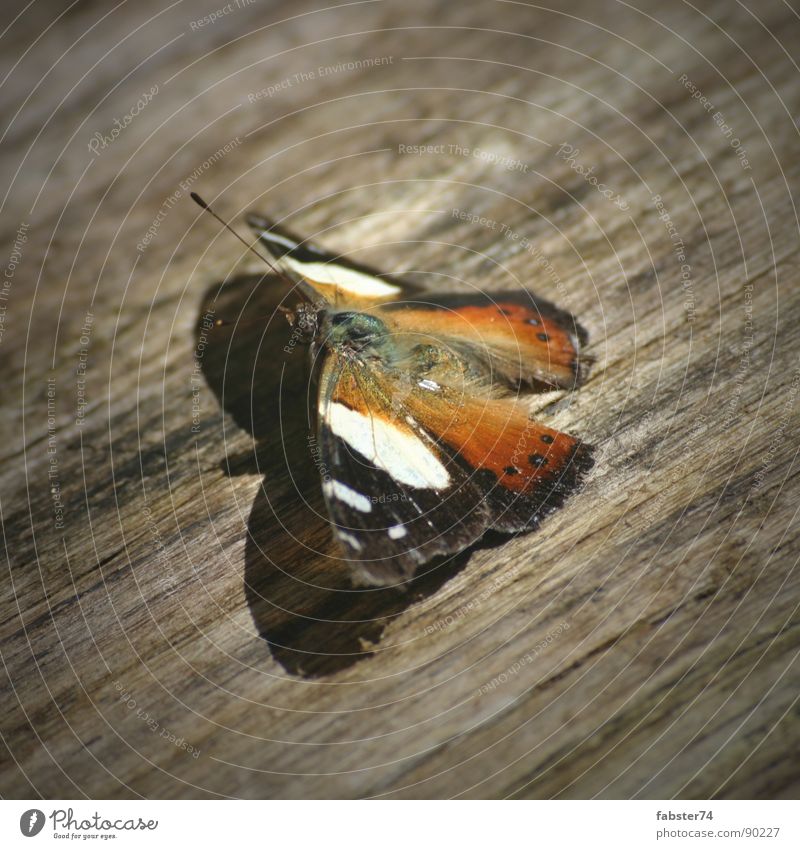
(356, 333)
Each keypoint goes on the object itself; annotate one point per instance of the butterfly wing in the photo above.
(520, 338)
(418, 469)
(513, 336)
(330, 276)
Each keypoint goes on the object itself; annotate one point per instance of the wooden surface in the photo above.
(188, 631)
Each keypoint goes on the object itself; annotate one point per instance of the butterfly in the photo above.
(420, 432)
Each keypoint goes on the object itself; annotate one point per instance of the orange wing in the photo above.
(489, 434)
(498, 436)
(522, 340)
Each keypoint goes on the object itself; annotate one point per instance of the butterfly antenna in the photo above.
(201, 203)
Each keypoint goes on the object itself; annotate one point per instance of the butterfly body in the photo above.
(425, 441)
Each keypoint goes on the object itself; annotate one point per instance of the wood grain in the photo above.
(189, 632)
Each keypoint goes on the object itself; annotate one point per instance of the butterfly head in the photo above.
(305, 321)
